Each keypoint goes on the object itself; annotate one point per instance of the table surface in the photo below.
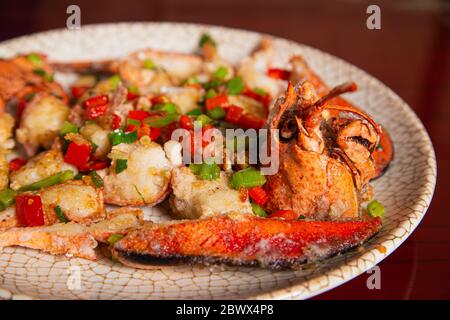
(411, 54)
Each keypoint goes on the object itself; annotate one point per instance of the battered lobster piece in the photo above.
(238, 239)
(325, 161)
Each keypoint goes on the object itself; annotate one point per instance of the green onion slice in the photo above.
(121, 164)
(257, 210)
(49, 181)
(161, 121)
(375, 208)
(247, 178)
(60, 214)
(118, 136)
(96, 179)
(7, 198)
(235, 85)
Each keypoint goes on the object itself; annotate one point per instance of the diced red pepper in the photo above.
(16, 164)
(96, 106)
(78, 91)
(29, 210)
(131, 96)
(279, 73)
(138, 115)
(78, 155)
(95, 165)
(155, 133)
(186, 122)
(158, 99)
(116, 122)
(218, 101)
(233, 114)
(258, 195)
(285, 214)
(248, 121)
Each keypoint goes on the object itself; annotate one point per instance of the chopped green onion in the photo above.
(206, 38)
(195, 167)
(235, 85)
(121, 164)
(260, 91)
(7, 198)
(211, 93)
(301, 217)
(35, 59)
(78, 176)
(211, 84)
(114, 81)
(168, 107)
(203, 119)
(112, 239)
(134, 122)
(68, 127)
(133, 89)
(148, 64)
(257, 210)
(194, 112)
(209, 171)
(60, 214)
(247, 178)
(47, 76)
(191, 80)
(96, 179)
(220, 73)
(49, 181)
(375, 208)
(118, 136)
(161, 121)
(217, 113)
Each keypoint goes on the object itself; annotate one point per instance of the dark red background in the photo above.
(411, 54)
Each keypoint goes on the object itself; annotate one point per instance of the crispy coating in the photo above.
(194, 198)
(146, 178)
(80, 202)
(241, 240)
(41, 122)
(39, 167)
(70, 239)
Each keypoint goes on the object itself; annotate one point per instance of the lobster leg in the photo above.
(238, 239)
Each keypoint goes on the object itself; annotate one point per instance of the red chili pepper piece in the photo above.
(248, 121)
(116, 122)
(155, 133)
(131, 96)
(16, 164)
(78, 91)
(279, 73)
(96, 106)
(78, 155)
(233, 114)
(258, 195)
(29, 210)
(186, 122)
(138, 115)
(218, 101)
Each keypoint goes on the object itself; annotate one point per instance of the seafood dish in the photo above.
(259, 165)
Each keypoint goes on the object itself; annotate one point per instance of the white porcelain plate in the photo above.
(405, 190)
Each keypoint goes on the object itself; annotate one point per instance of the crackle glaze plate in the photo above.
(405, 190)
